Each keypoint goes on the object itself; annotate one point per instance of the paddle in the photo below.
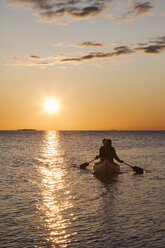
(84, 165)
(137, 169)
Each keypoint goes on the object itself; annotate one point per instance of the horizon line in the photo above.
(87, 130)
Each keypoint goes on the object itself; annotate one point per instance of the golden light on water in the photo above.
(54, 187)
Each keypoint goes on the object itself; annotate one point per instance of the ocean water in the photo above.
(46, 200)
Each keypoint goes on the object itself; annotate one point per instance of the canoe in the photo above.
(106, 168)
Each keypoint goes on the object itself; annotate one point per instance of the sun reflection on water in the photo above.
(54, 205)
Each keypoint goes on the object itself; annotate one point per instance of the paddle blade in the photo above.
(138, 170)
(84, 165)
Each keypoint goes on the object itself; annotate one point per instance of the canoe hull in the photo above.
(106, 169)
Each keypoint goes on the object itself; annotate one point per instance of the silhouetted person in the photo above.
(102, 151)
(110, 152)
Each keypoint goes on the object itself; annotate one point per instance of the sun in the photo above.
(51, 106)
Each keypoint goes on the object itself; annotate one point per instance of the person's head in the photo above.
(104, 141)
(109, 142)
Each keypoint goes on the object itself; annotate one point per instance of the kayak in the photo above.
(106, 168)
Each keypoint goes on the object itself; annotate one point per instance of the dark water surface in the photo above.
(47, 201)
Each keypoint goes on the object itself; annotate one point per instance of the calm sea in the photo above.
(46, 200)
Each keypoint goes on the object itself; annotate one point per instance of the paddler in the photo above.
(110, 152)
(102, 151)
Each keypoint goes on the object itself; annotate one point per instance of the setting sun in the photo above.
(51, 106)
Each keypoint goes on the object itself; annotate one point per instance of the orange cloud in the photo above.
(163, 13)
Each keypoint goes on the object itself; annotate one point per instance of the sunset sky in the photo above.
(102, 63)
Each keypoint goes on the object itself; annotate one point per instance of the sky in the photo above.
(102, 62)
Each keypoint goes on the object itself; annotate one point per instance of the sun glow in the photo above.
(51, 106)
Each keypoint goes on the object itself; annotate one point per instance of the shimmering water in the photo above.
(47, 201)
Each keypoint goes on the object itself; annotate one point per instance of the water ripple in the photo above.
(47, 201)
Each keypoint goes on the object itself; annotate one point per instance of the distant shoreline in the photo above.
(29, 130)
(111, 130)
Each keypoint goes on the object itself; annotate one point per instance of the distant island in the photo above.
(27, 129)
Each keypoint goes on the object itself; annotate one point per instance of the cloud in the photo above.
(136, 10)
(153, 46)
(139, 44)
(34, 4)
(114, 43)
(64, 11)
(118, 51)
(35, 57)
(163, 13)
(51, 10)
(87, 44)
(142, 8)
(82, 44)
(15, 61)
(74, 12)
(58, 44)
(35, 60)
